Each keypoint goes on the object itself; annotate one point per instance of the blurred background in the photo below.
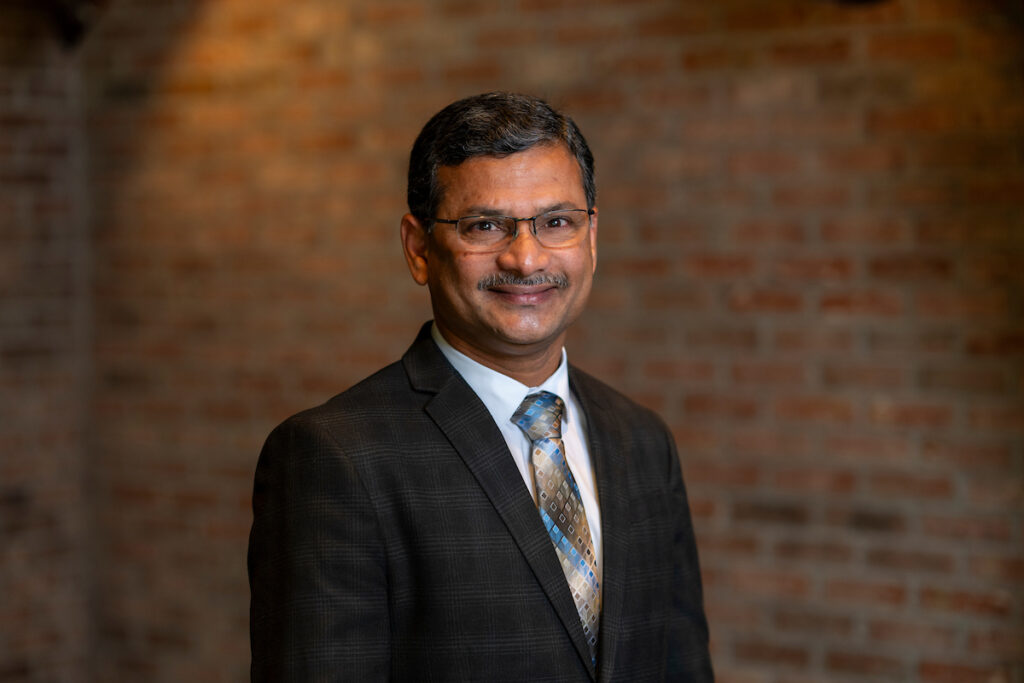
(811, 264)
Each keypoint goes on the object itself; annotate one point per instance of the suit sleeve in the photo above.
(689, 658)
(317, 573)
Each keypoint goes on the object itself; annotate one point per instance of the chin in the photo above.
(523, 335)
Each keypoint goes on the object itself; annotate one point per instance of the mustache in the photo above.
(559, 280)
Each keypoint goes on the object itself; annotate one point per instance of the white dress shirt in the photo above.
(502, 396)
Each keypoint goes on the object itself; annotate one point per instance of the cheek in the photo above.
(459, 276)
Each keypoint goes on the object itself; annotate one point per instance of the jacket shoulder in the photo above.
(386, 393)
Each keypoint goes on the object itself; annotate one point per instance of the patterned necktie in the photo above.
(561, 508)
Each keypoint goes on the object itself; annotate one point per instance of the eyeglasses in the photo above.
(563, 228)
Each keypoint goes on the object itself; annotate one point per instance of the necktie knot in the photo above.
(540, 416)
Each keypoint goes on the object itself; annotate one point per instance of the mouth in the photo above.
(524, 296)
(520, 291)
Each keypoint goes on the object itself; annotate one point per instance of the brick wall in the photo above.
(44, 363)
(810, 263)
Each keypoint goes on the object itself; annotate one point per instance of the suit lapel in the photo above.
(611, 473)
(470, 428)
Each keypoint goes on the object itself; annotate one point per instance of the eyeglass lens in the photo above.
(553, 229)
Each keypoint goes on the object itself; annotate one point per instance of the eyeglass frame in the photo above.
(504, 245)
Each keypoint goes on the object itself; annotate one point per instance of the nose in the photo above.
(524, 254)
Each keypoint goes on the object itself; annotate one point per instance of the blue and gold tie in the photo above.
(561, 508)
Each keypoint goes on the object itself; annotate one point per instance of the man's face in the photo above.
(541, 290)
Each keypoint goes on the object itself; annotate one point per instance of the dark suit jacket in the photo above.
(394, 538)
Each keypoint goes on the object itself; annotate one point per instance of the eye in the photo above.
(560, 220)
(481, 225)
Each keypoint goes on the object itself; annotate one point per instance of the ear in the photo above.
(414, 245)
(593, 241)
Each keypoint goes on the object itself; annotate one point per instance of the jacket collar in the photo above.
(469, 427)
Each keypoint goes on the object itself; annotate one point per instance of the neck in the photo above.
(527, 365)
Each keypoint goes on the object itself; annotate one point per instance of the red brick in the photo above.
(915, 46)
(1003, 190)
(916, 561)
(824, 409)
(636, 65)
(768, 443)
(878, 667)
(772, 653)
(962, 602)
(907, 414)
(788, 14)
(964, 379)
(918, 637)
(950, 304)
(952, 672)
(764, 162)
(1003, 569)
(921, 340)
(860, 592)
(993, 269)
(874, 303)
(770, 91)
(812, 52)
(724, 406)
(720, 265)
(986, 528)
(770, 512)
(812, 621)
(719, 337)
(959, 230)
(765, 300)
(869, 448)
(863, 159)
(996, 419)
(994, 492)
(686, 371)
(911, 267)
(814, 480)
(863, 375)
(1002, 644)
(815, 340)
(906, 485)
(818, 552)
(675, 299)
(914, 120)
(767, 583)
(715, 473)
(718, 57)
(681, 21)
(729, 544)
(867, 520)
(384, 14)
(768, 232)
(983, 454)
(807, 196)
(768, 373)
(881, 230)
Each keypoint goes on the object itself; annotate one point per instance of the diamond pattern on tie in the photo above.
(561, 508)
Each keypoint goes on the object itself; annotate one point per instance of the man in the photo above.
(481, 510)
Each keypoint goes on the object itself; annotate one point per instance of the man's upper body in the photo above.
(396, 533)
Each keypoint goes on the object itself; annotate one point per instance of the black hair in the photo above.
(494, 124)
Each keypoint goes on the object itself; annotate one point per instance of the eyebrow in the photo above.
(480, 210)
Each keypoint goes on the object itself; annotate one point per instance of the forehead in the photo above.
(544, 175)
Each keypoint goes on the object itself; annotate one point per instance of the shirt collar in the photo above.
(500, 393)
